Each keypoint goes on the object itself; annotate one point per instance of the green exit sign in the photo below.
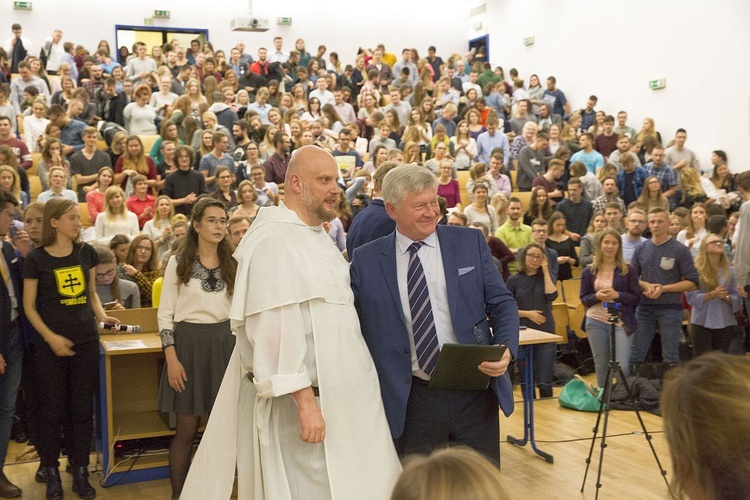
(161, 14)
(284, 21)
(529, 40)
(21, 5)
(657, 84)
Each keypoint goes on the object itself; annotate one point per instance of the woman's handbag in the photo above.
(576, 395)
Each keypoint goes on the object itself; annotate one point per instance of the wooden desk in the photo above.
(529, 337)
(129, 385)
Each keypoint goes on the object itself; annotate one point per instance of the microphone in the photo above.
(120, 327)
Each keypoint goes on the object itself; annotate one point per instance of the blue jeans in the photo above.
(599, 334)
(669, 322)
(9, 382)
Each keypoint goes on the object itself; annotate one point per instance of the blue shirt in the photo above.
(486, 143)
(664, 264)
(72, 134)
(666, 174)
(261, 110)
(592, 160)
(558, 106)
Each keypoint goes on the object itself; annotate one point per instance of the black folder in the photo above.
(457, 366)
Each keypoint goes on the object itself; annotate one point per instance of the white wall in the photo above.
(612, 49)
(341, 25)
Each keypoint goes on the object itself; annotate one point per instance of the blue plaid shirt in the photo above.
(666, 174)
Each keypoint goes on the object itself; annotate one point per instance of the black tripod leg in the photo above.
(648, 436)
(602, 409)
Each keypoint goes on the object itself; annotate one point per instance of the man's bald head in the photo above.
(310, 187)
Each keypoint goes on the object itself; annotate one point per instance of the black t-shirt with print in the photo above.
(63, 299)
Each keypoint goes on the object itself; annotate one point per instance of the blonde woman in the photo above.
(95, 197)
(159, 228)
(693, 234)
(715, 302)
(246, 197)
(11, 182)
(115, 219)
(651, 196)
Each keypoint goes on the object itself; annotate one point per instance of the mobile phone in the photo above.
(522, 327)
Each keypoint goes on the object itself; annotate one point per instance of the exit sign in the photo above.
(284, 21)
(657, 84)
(161, 14)
(21, 5)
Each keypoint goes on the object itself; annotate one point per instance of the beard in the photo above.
(316, 206)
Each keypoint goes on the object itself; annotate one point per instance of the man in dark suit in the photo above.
(11, 343)
(418, 288)
(372, 222)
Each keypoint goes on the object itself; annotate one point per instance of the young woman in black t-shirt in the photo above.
(60, 293)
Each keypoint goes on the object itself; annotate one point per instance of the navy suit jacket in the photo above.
(370, 224)
(15, 263)
(476, 294)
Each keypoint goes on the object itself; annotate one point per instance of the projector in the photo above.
(250, 23)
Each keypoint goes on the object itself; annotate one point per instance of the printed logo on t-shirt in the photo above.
(71, 283)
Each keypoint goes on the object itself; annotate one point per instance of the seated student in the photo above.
(598, 224)
(478, 173)
(535, 291)
(550, 181)
(142, 266)
(455, 472)
(57, 178)
(592, 188)
(116, 218)
(437, 155)
(539, 233)
(120, 245)
(694, 233)
(636, 225)
(563, 245)
(708, 448)
(539, 206)
(210, 161)
(448, 186)
(613, 214)
(159, 227)
(95, 197)
(609, 195)
(588, 155)
(513, 232)
(577, 211)
(141, 203)
(383, 138)
(114, 293)
(480, 210)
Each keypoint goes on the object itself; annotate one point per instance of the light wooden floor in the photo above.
(630, 470)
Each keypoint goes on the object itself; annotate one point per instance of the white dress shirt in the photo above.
(432, 263)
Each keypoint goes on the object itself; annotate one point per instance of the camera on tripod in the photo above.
(613, 309)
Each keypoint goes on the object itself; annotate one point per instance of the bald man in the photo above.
(300, 406)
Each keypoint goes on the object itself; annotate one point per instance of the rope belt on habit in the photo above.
(316, 391)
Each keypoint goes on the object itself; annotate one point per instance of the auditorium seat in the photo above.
(35, 159)
(148, 141)
(35, 186)
(513, 176)
(83, 210)
(525, 197)
(463, 178)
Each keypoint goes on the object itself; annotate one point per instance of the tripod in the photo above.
(604, 406)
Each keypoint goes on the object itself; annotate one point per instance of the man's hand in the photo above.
(741, 291)
(2, 365)
(310, 417)
(495, 368)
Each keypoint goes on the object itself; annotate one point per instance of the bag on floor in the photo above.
(576, 395)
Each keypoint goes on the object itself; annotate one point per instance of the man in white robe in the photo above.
(299, 412)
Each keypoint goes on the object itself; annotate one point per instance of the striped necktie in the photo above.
(423, 323)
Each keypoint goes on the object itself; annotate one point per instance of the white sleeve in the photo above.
(279, 345)
(133, 229)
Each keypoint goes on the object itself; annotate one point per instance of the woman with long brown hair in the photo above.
(142, 266)
(539, 206)
(61, 303)
(194, 328)
(651, 196)
(134, 161)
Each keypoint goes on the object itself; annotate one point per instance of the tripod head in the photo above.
(613, 309)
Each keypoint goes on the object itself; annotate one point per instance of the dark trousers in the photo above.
(710, 339)
(437, 418)
(66, 400)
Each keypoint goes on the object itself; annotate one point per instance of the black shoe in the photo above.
(8, 489)
(41, 475)
(21, 436)
(81, 482)
(54, 485)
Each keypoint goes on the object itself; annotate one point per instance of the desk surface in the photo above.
(149, 342)
(529, 336)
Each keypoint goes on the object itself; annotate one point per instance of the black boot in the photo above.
(41, 475)
(81, 482)
(54, 486)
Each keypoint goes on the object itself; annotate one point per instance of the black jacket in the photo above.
(15, 263)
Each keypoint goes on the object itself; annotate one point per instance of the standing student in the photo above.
(609, 279)
(712, 321)
(194, 328)
(60, 293)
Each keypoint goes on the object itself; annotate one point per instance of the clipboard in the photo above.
(457, 366)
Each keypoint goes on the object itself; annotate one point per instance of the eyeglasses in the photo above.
(534, 256)
(215, 222)
(106, 274)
